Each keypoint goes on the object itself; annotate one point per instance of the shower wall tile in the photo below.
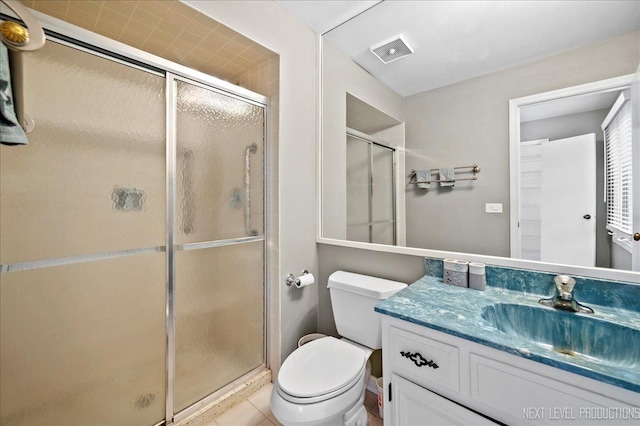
(263, 78)
(125, 8)
(167, 28)
(160, 8)
(273, 235)
(82, 16)
(275, 355)
(57, 9)
(273, 336)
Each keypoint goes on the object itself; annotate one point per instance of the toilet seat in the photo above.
(317, 398)
(320, 370)
(327, 412)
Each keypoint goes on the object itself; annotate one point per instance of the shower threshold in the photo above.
(227, 397)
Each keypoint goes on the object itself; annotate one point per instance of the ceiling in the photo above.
(458, 40)
(323, 16)
(363, 117)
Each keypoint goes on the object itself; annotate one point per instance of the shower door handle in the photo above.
(251, 149)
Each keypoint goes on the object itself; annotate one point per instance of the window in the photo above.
(618, 174)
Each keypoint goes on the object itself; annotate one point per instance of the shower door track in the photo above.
(95, 44)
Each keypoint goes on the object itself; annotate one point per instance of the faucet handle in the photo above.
(564, 284)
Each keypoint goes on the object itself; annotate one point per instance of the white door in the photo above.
(568, 231)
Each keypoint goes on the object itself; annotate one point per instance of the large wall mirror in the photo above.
(482, 127)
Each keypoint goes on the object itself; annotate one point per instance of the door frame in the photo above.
(616, 83)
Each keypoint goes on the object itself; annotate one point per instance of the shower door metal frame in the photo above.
(371, 141)
(95, 44)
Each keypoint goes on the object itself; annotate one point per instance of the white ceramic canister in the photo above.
(477, 276)
(456, 272)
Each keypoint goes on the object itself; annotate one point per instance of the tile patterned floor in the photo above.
(255, 411)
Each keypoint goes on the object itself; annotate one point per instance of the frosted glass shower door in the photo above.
(82, 219)
(370, 195)
(382, 196)
(358, 190)
(219, 228)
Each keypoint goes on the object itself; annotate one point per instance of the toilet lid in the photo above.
(321, 366)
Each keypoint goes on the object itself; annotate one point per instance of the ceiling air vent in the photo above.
(392, 49)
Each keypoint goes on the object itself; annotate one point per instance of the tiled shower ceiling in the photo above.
(166, 28)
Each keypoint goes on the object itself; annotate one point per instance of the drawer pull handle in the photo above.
(419, 360)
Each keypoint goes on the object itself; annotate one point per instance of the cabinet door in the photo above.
(414, 405)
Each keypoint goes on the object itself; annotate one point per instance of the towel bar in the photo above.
(474, 169)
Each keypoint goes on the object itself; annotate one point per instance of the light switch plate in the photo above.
(493, 208)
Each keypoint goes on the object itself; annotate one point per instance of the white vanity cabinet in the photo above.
(434, 378)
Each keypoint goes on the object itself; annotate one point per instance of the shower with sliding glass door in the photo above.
(132, 280)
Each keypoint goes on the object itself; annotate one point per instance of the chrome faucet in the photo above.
(564, 296)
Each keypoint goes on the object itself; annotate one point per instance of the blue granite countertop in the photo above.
(458, 311)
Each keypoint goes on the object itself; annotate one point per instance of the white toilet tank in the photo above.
(353, 297)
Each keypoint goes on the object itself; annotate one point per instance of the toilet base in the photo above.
(330, 412)
(357, 416)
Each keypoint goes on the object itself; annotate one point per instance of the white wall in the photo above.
(268, 24)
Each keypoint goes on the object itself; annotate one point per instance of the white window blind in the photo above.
(618, 175)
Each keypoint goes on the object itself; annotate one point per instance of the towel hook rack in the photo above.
(475, 169)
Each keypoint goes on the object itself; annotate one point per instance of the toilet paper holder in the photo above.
(292, 280)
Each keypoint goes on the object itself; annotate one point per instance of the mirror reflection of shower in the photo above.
(371, 194)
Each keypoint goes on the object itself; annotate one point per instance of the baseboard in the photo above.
(371, 385)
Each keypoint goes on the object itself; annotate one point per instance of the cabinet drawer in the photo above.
(426, 361)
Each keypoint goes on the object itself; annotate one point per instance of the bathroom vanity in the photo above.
(453, 355)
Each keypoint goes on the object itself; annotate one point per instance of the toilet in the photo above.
(324, 381)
